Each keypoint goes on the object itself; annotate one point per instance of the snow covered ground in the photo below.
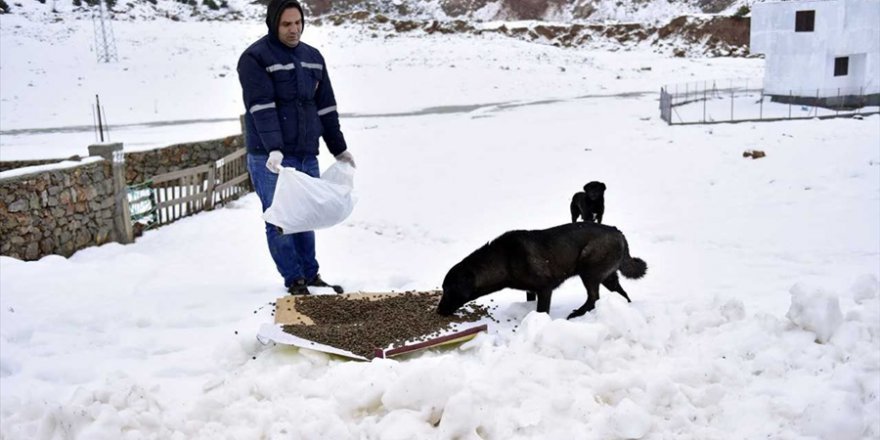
(759, 316)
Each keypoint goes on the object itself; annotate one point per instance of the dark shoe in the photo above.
(298, 288)
(318, 282)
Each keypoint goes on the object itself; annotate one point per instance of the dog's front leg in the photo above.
(530, 296)
(544, 301)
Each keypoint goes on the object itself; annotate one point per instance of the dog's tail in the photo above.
(632, 267)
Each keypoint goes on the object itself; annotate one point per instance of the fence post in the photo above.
(663, 103)
(862, 100)
(761, 106)
(661, 100)
(731, 100)
(212, 178)
(668, 108)
(704, 103)
(121, 215)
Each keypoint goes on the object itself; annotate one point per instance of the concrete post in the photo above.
(121, 214)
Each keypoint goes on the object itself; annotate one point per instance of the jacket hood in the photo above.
(273, 14)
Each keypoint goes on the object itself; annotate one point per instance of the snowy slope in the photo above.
(759, 316)
(173, 71)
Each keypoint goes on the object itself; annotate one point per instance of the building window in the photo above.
(804, 21)
(841, 66)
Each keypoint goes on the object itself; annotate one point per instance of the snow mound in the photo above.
(865, 288)
(838, 417)
(630, 421)
(815, 311)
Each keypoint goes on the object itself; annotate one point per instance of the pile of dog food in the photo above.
(362, 325)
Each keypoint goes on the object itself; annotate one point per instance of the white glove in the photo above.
(346, 156)
(274, 162)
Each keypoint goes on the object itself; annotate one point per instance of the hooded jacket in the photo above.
(288, 98)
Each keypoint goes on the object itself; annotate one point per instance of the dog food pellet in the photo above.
(362, 325)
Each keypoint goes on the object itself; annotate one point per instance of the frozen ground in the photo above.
(759, 316)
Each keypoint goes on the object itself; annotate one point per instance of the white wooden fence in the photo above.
(168, 197)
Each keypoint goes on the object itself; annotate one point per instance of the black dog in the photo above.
(589, 204)
(539, 261)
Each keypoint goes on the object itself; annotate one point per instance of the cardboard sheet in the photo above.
(286, 313)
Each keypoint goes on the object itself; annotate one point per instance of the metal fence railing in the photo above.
(717, 101)
(142, 205)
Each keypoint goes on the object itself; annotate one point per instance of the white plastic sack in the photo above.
(304, 203)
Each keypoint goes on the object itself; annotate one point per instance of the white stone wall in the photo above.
(802, 63)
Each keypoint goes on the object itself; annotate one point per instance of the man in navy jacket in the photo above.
(289, 105)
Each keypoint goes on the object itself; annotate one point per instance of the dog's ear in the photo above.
(602, 186)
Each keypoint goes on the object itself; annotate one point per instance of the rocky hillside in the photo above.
(681, 36)
(544, 10)
(581, 11)
(677, 27)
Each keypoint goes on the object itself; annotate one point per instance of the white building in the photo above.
(822, 48)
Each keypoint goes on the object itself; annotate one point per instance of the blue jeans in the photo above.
(294, 254)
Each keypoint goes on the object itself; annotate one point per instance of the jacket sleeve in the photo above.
(326, 103)
(259, 101)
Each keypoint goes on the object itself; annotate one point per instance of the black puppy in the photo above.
(589, 204)
(539, 261)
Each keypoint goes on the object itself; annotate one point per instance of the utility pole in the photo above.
(105, 42)
(100, 123)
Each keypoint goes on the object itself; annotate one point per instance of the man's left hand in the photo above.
(346, 156)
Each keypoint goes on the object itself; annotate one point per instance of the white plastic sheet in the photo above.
(304, 203)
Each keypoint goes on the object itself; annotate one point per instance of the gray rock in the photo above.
(32, 252)
(18, 205)
(47, 245)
